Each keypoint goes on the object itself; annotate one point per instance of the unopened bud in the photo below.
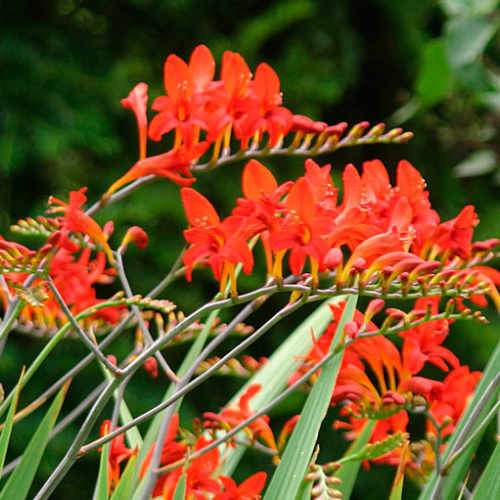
(137, 236)
(359, 265)
(351, 329)
(391, 397)
(373, 308)
(333, 258)
(151, 367)
(112, 359)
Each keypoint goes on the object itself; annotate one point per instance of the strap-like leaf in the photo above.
(180, 490)
(449, 484)
(9, 421)
(285, 361)
(488, 485)
(397, 485)
(101, 487)
(19, 482)
(292, 468)
(124, 488)
(348, 472)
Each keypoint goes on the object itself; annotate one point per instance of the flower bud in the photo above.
(151, 367)
(137, 236)
(333, 258)
(351, 329)
(112, 359)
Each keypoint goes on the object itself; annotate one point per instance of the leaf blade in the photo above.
(9, 422)
(274, 375)
(288, 477)
(19, 482)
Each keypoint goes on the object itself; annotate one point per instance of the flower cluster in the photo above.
(75, 258)
(387, 230)
(75, 275)
(205, 112)
(203, 472)
(381, 382)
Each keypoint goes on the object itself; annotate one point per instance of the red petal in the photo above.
(253, 485)
(199, 211)
(176, 77)
(202, 67)
(257, 180)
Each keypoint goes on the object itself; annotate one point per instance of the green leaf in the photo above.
(450, 484)
(19, 482)
(304, 492)
(133, 435)
(478, 163)
(124, 488)
(285, 361)
(464, 7)
(101, 487)
(377, 449)
(275, 19)
(349, 472)
(9, 422)
(466, 39)
(488, 485)
(153, 428)
(288, 476)
(180, 489)
(397, 485)
(434, 77)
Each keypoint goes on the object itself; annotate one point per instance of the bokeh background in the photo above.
(430, 66)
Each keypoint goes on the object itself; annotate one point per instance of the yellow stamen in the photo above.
(216, 150)
(314, 272)
(227, 138)
(278, 265)
(178, 138)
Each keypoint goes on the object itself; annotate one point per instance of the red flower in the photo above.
(262, 202)
(249, 489)
(75, 219)
(221, 244)
(181, 107)
(232, 416)
(455, 235)
(137, 101)
(118, 452)
(174, 165)
(423, 343)
(172, 451)
(452, 399)
(263, 111)
(302, 231)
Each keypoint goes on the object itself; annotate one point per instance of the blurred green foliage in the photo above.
(65, 65)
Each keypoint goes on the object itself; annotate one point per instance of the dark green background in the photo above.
(66, 64)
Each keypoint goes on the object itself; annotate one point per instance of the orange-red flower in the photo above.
(76, 220)
(137, 101)
(118, 453)
(182, 106)
(249, 489)
(220, 244)
(451, 400)
(232, 416)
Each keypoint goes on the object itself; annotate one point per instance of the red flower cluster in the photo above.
(204, 111)
(203, 478)
(379, 381)
(202, 473)
(75, 268)
(75, 275)
(383, 227)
